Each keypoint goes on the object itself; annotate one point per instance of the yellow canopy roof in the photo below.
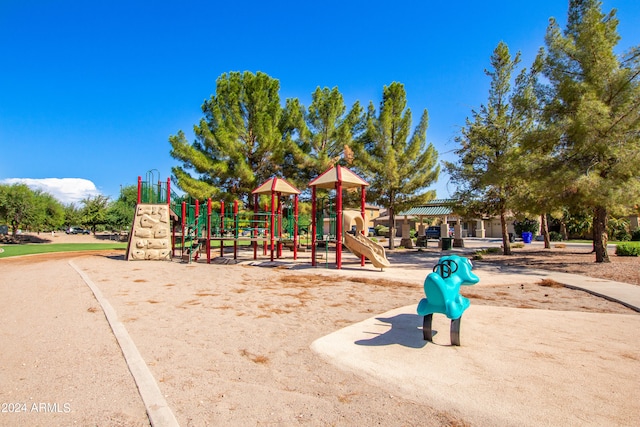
(335, 174)
(276, 185)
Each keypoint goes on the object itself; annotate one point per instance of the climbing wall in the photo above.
(150, 237)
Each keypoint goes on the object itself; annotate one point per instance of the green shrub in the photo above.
(622, 236)
(554, 236)
(618, 229)
(526, 225)
(635, 236)
(381, 230)
(485, 251)
(626, 249)
(517, 245)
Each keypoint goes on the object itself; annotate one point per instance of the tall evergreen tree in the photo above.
(487, 174)
(321, 136)
(593, 113)
(399, 165)
(238, 142)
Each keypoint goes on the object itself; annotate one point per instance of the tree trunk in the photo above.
(392, 229)
(544, 227)
(506, 244)
(563, 230)
(601, 238)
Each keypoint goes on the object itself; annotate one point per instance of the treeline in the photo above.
(22, 208)
(560, 138)
(246, 137)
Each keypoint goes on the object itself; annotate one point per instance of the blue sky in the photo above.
(94, 89)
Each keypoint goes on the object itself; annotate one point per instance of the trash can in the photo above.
(446, 243)
(527, 236)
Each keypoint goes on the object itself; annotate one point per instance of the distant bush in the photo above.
(618, 229)
(554, 236)
(381, 230)
(635, 236)
(622, 236)
(526, 225)
(627, 249)
(477, 255)
(485, 251)
(517, 245)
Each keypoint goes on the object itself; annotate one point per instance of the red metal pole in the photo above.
(295, 227)
(339, 225)
(209, 230)
(184, 215)
(235, 229)
(273, 223)
(197, 231)
(313, 226)
(364, 217)
(139, 189)
(168, 191)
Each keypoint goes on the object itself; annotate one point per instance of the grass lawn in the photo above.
(610, 242)
(636, 244)
(40, 248)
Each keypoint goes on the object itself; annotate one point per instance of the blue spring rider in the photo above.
(442, 290)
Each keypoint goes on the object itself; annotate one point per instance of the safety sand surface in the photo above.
(231, 345)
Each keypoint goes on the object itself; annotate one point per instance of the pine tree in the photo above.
(399, 167)
(593, 114)
(488, 174)
(321, 136)
(238, 142)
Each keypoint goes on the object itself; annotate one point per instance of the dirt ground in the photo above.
(227, 344)
(571, 260)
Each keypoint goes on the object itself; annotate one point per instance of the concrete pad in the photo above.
(514, 366)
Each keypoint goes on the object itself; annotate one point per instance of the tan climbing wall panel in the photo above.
(150, 237)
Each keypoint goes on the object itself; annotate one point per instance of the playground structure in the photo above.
(442, 291)
(166, 223)
(339, 178)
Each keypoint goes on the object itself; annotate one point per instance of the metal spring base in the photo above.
(427, 332)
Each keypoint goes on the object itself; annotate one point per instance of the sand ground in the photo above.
(231, 345)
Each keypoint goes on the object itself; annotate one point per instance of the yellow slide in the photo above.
(359, 244)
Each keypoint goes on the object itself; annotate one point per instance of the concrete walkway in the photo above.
(520, 367)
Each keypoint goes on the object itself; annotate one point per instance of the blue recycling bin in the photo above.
(527, 236)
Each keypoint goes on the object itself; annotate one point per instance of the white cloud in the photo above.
(66, 190)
